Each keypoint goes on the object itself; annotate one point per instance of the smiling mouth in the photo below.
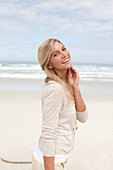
(65, 61)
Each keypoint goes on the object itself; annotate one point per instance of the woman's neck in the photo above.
(62, 75)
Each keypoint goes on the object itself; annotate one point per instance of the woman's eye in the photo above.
(63, 49)
(55, 54)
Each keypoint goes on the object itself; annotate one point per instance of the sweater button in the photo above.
(75, 128)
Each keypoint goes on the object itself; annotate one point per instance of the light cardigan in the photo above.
(38, 156)
(59, 121)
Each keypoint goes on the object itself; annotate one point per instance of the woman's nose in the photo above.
(63, 54)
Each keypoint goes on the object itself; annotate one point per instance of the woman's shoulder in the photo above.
(52, 87)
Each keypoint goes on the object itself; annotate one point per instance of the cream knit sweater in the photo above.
(59, 121)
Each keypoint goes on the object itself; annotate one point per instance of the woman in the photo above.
(62, 106)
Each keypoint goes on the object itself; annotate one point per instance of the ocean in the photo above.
(87, 72)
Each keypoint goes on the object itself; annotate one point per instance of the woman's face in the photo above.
(60, 58)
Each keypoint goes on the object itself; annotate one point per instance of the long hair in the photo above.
(44, 54)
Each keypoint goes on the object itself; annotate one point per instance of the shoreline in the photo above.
(36, 85)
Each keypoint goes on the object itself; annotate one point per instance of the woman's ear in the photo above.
(49, 66)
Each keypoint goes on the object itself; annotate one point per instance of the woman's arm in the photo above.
(48, 163)
(81, 111)
(51, 105)
(79, 102)
(74, 83)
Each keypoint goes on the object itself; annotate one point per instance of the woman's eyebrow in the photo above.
(57, 50)
(63, 46)
(54, 52)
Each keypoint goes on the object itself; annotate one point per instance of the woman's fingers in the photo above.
(74, 72)
(73, 68)
(74, 77)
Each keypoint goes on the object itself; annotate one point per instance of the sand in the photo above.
(35, 85)
(20, 126)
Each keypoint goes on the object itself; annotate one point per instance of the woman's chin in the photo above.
(70, 65)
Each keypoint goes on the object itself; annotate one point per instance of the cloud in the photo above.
(71, 18)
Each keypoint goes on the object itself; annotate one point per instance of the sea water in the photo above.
(87, 72)
(95, 79)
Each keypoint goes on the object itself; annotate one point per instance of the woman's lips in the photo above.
(65, 61)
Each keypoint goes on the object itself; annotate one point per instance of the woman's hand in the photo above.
(48, 163)
(74, 78)
(74, 83)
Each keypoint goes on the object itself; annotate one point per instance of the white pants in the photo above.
(39, 166)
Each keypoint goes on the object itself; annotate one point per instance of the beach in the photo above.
(20, 125)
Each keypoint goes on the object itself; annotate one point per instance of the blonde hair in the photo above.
(44, 54)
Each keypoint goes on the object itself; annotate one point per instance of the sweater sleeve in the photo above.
(51, 106)
(82, 116)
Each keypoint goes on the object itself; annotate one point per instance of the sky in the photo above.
(85, 27)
